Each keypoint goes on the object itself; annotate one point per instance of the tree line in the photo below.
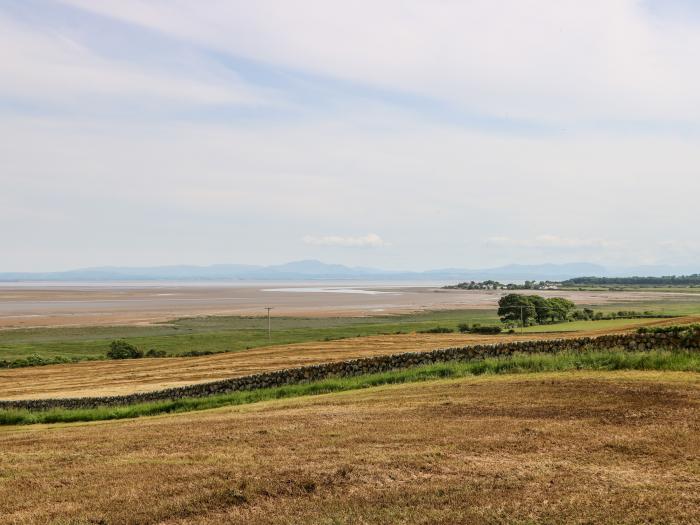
(669, 280)
(495, 285)
(517, 309)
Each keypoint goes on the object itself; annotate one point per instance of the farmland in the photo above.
(212, 334)
(218, 333)
(109, 377)
(541, 438)
(578, 446)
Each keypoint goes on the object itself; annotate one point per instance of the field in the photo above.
(219, 334)
(524, 440)
(599, 360)
(125, 376)
(564, 447)
(235, 333)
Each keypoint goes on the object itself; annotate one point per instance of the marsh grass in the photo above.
(520, 363)
(212, 334)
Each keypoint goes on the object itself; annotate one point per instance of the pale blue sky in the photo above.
(403, 134)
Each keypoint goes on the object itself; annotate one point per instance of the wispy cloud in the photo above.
(370, 240)
(552, 241)
(229, 130)
(51, 67)
(504, 59)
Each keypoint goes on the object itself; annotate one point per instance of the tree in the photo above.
(560, 308)
(542, 308)
(122, 350)
(516, 308)
(463, 327)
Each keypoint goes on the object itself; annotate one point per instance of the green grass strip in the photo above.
(517, 364)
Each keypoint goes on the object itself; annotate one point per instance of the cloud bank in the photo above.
(370, 240)
(470, 134)
(553, 241)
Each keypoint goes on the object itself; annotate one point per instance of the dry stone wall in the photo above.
(636, 342)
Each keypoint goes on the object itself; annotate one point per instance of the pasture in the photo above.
(219, 333)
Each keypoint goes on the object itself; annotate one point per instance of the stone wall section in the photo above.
(369, 365)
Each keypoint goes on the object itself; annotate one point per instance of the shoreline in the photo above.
(133, 305)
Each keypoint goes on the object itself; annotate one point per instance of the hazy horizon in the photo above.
(313, 270)
(404, 134)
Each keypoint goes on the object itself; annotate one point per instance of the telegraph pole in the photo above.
(269, 326)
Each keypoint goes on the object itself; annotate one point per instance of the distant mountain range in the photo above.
(316, 270)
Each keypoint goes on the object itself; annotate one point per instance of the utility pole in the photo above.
(269, 326)
(522, 320)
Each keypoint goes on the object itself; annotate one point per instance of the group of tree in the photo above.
(669, 280)
(464, 328)
(533, 309)
(495, 285)
(519, 309)
(587, 314)
(477, 328)
(121, 349)
(476, 285)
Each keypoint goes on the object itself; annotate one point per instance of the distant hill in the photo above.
(317, 270)
(290, 271)
(552, 272)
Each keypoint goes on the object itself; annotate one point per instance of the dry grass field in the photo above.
(593, 447)
(121, 377)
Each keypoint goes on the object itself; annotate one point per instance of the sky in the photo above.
(400, 134)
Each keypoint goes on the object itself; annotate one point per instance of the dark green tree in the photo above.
(120, 349)
(514, 308)
(560, 308)
(542, 308)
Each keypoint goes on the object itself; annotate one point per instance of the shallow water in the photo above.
(330, 290)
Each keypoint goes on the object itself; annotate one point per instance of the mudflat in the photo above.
(37, 305)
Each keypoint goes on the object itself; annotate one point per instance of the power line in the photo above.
(269, 325)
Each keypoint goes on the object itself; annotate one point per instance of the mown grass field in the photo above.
(113, 377)
(677, 361)
(110, 377)
(583, 447)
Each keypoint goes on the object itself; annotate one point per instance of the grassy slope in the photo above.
(659, 360)
(603, 447)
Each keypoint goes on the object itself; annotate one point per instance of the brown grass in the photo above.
(555, 448)
(122, 377)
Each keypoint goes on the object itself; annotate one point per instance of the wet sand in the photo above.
(36, 304)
